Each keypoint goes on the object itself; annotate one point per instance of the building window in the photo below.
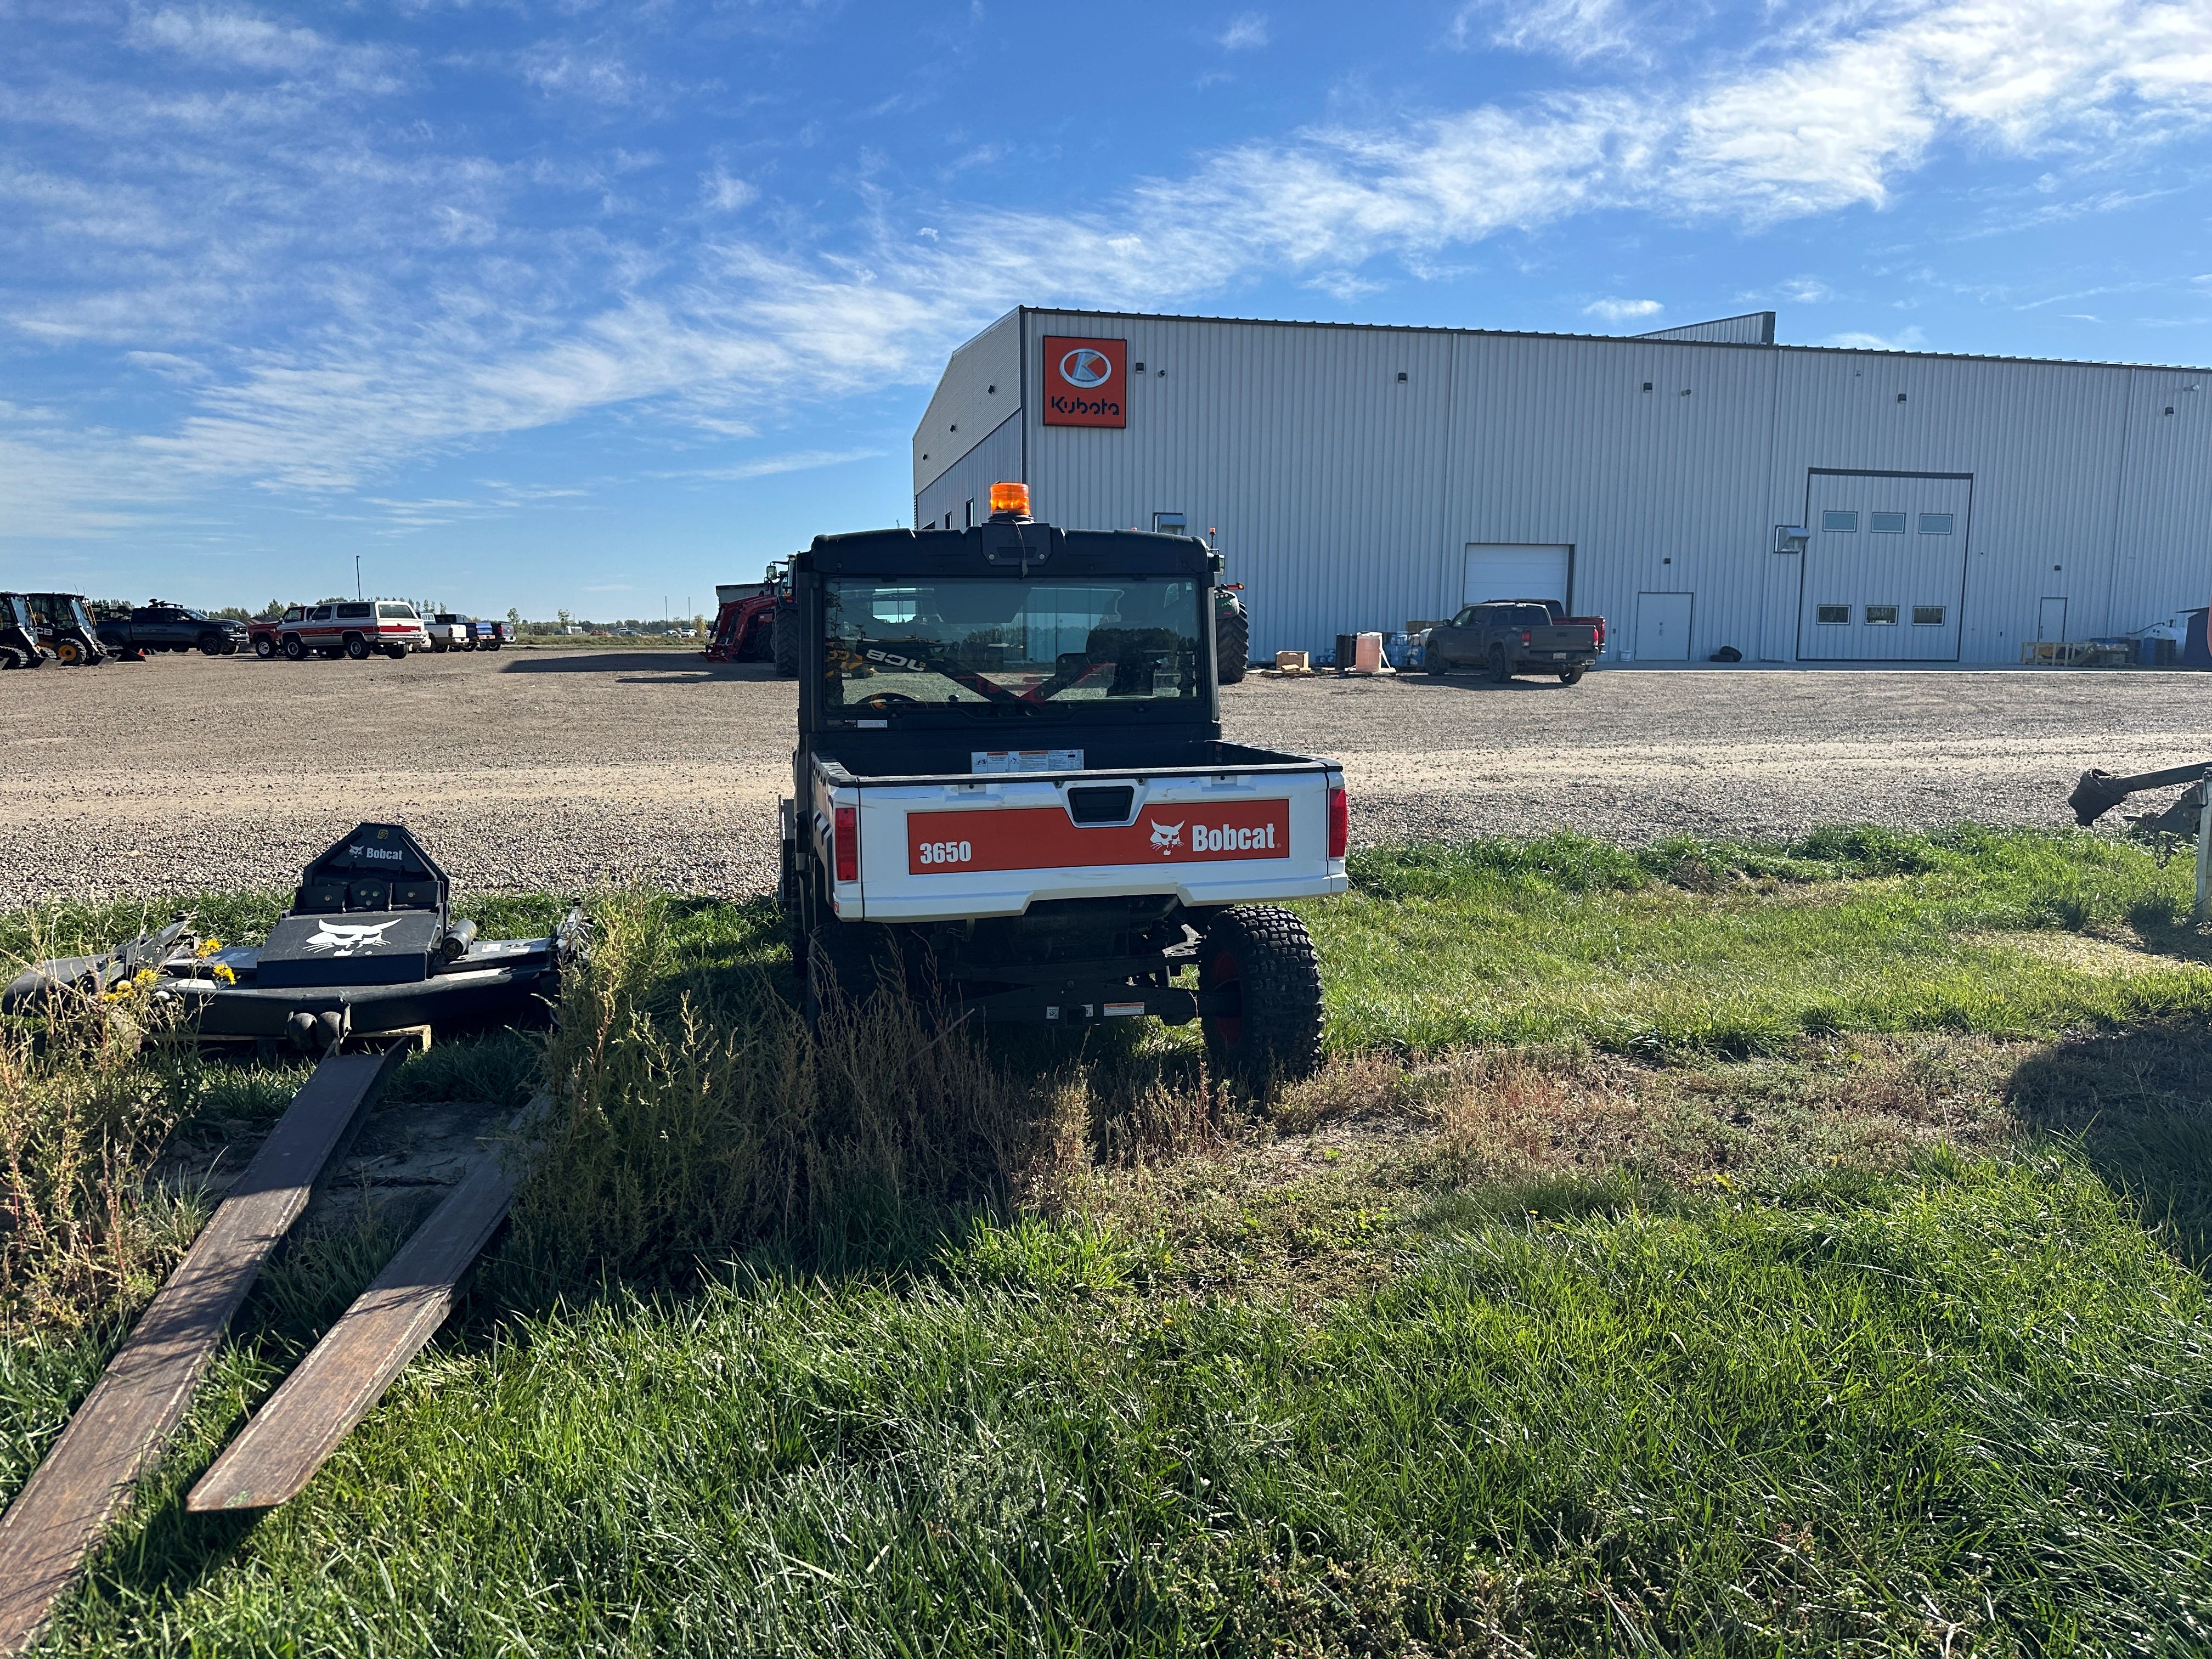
(971, 512)
(1885, 523)
(1846, 522)
(1881, 616)
(1927, 615)
(1834, 613)
(1935, 523)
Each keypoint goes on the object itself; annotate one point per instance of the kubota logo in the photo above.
(1084, 367)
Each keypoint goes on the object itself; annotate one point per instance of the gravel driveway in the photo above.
(564, 769)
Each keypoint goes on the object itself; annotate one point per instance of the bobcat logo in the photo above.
(344, 939)
(1167, 837)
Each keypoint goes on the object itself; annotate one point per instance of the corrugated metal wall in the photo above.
(996, 458)
(1346, 496)
(981, 388)
(1752, 328)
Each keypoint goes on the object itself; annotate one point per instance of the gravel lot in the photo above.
(564, 769)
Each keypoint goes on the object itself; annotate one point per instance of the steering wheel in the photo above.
(883, 701)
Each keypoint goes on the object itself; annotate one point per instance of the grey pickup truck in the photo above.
(1507, 637)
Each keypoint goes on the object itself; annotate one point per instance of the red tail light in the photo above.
(1601, 633)
(1340, 823)
(848, 843)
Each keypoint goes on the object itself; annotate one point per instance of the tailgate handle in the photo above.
(1105, 803)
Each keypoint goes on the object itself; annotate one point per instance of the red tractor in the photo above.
(752, 623)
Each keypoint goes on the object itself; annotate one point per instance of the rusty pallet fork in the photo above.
(125, 1425)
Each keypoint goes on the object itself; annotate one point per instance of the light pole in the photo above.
(356, 575)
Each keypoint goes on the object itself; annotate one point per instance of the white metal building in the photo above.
(1363, 476)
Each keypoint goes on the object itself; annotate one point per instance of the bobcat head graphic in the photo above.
(344, 938)
(1166, 837)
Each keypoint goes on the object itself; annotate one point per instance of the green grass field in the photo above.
(1705, 1249)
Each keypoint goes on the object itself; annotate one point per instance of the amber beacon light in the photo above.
(1010, 501)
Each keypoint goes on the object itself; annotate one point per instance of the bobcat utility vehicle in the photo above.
(1011, 786)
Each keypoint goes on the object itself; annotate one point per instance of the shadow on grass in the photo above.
(2138, 1101)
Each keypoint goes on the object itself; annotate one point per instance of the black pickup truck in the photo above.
(1507, 637)
(161, 626)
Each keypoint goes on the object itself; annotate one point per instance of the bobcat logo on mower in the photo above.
(344, 938)
(1167, 837)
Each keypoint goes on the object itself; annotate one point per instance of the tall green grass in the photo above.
(1965, 1409)
(1695, 947)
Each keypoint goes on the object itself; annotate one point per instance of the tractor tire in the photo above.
(1264, 953)
(69, 652)
(263, 647)
(356, 648)
(1501, 666)
(1232, 645)
(1570, 675)
(295, 648)
(784, 642)
(211, 645)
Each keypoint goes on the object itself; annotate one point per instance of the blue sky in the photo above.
(591, 306)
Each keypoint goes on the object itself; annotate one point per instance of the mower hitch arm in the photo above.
(2099, 793)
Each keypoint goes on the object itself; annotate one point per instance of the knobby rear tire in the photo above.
(783, 633)
(1232, 645)
(1264, 953)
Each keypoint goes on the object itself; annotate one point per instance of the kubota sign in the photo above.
(1045, 838)
(1086, 381)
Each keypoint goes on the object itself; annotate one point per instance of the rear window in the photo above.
(399, 613)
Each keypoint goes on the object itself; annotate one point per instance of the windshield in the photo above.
(83, 617)
(1015, 644)
(19, 612)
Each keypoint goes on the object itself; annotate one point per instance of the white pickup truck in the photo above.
(1010, 781)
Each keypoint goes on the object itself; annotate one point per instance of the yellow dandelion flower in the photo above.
(223, 971)
(208, 947)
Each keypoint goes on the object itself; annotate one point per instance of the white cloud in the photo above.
(1620, 311)
(1910, 340)
(802, 460)
(240, 40)
(511, 331)
(1576, 30)
(724, 193)
(1247, 32)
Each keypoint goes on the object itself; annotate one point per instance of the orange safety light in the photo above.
(1010, 498)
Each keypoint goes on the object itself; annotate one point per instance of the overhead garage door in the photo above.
(1885, 566)
(1514, 570)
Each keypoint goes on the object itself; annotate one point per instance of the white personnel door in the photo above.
(2051, 619)
(1662, 627)
(1514, 570)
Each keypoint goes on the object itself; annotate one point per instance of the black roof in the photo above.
(994, 550)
